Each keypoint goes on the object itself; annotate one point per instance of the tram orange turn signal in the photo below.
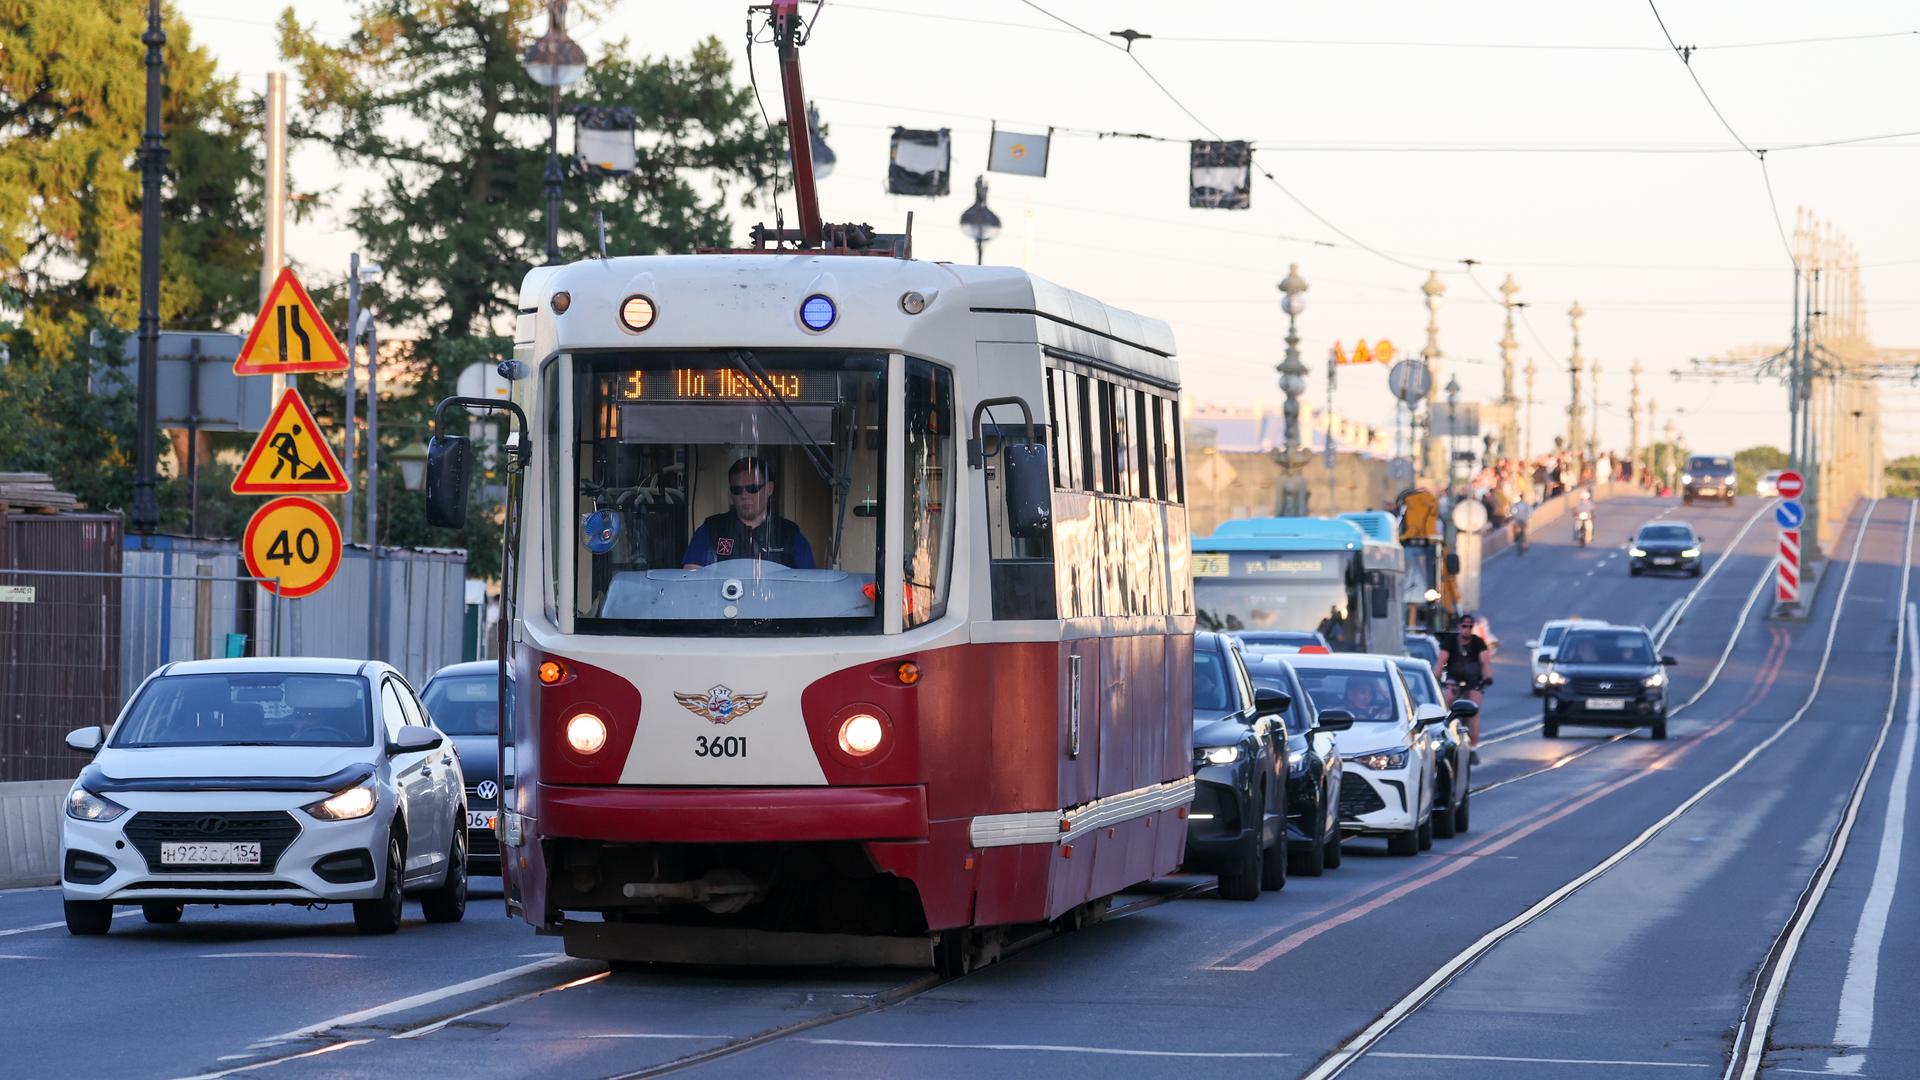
(861, 734)
(909, 673)
(586, 733)
(552, 672)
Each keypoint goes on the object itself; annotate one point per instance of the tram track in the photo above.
(1756, 1021)
(1356, 1048)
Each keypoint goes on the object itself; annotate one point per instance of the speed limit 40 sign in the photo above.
(294, 541)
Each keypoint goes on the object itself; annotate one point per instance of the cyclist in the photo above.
(1520, 513)
(1463, 662)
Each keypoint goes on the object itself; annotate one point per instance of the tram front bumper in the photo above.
(732, 815)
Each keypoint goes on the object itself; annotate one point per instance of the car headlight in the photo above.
(1297, 765)
(1383, 760)
(1733, 479)
(1690, 553)
(1541, 679)
(1554, 678)
(1686, 478)
(1655, 681)
(1638, 552)
(86, 806)
(1216, 755)
(355, 802)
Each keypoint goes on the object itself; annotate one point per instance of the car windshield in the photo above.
(1419, 686)
(1425, 649)
(1709, 464)
(1272, 677)
(1598, 647)
(249, 710)
(1210, 690)
(1365, 694)
(466, 704)
(1552, 637)
(1677, 534)
(1279, 637)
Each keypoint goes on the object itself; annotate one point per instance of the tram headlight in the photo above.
(861, 734)
(586, 733)
(637, 312)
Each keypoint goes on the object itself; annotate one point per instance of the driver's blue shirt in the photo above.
(724, 536)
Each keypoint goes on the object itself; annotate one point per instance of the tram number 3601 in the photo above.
(719, 746)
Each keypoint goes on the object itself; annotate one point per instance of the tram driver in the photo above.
(749, 529)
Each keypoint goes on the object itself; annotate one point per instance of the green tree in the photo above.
(431, 98)
(1755, 461)
(72, 110)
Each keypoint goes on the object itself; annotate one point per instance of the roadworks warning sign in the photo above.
(290, 457)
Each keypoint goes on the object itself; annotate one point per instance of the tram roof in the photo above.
(1005, 303)
(1283, 534)
(1379, 526)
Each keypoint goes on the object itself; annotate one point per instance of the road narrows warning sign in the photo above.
(289, 337)
(294, 541)
(290, 457)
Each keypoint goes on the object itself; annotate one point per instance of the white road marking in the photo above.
(1353, 1049)
(276, 1061)
(1686, 602)
(428, 1029)
(1541, 1060)
(1047, 1048)
(59, 925)
(657, 1035)
(415, 1001)
(1855, 1027)
(19, 956)
(287, 955)
(1748, 1059)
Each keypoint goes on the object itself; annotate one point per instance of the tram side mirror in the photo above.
(449, 472)
(1029, 485)
(1379, 603)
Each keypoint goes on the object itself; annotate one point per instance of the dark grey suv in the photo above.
(1607, 676)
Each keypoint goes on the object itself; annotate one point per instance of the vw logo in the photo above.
(210, 825)
(487, 789)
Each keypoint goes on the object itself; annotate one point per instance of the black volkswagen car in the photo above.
(1664, 546)
(1607, 676)
(1237, 826)
(464, 700)
(1313, 770)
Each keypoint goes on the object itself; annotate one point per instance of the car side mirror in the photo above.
(1029, 488)
(1463, 709)
(413, 739)
(1333, 720)
(449, 472)
(1534, 644)
(1429, 714)
(1267, 701)
(84, 740)
(1668, 661)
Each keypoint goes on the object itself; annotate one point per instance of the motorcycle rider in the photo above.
(1583, 517)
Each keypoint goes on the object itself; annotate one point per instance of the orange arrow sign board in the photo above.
(296, 543)
(290, 457)
(289, 337)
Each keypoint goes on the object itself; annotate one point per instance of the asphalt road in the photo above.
(1621, 908)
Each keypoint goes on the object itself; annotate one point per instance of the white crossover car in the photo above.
(1544, 646)
(266, 781)
(1388, 756)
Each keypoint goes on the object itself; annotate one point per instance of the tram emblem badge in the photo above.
(719, 705)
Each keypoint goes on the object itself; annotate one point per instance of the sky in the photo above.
(1563, 144)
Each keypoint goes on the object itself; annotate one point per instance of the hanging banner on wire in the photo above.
(921, 162)
(1220, 175)
(1023, 155)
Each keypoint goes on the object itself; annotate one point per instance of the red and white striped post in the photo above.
(1789, 567)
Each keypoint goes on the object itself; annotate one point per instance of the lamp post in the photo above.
(1530, 372)
(1435, 290)
(1673, 453)
(1453, 425)
(1510, 420)
(153, 167)
(1593, 436)
(979, 223)
(555, 61)
(1633, 418)
(1293, 383)
(412, 459)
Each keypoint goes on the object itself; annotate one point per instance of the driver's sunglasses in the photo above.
(746, 489)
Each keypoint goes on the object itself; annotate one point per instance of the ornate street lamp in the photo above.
(1293, 383)
(412, 459)
(555, 61)
(979, 223)
(1453, 427)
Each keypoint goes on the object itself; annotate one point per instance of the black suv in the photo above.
(1708, 476)
(1607, 676)
(1664, 546)
(1237, 827)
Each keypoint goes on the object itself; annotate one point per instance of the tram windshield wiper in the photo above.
(762, 385)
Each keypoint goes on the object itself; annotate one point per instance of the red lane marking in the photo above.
(1512, 834)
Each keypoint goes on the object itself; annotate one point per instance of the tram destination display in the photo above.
(725, 384)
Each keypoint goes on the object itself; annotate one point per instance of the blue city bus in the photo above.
(1340, 576)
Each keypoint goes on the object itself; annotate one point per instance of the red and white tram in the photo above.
(851, 616)
(884, 707)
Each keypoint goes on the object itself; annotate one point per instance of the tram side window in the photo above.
(556, 455)
(929, 554)
(1063, 413)
(1020, 568)
(1147, 437)
(1113, 401)
(1172, 453)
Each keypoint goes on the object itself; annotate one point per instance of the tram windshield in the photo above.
(1277, 591)
(738, 492)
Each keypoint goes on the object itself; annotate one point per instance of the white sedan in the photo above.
(1768, 486)
(264, 781)
(1387, 756)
